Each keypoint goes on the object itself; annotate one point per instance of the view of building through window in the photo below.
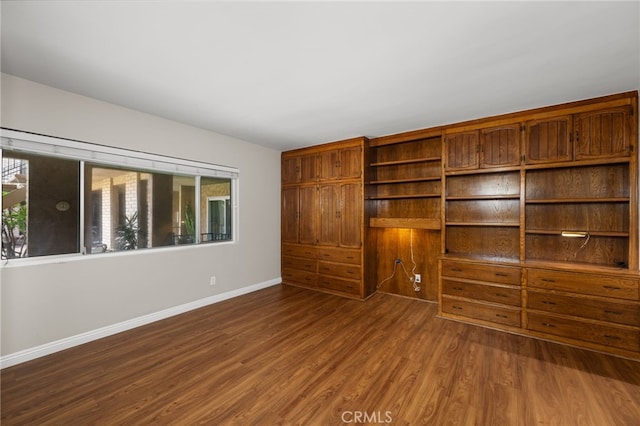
(124, 209)
(14, 213)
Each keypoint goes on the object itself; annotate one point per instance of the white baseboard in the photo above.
(79, 339)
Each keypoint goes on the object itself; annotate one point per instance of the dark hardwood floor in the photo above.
(286, 355)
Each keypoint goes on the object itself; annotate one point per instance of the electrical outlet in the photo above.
(418, 278)
(212, 281)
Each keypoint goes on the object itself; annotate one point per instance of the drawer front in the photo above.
(299, 251)
(496, 294)
(623, 338)
(490, 273)
(295, 276)
(301, 263)
(597, 285)
(336, 254)
(342, 270)
(339, 284)
(618, 312)
(499, 315)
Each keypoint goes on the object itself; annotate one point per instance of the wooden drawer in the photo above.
(343, 270)
(342, 255)
(620, 337)
(500, 315)
(301, 263)
(299, 250)
(295, 276)
(490, 293)
(339, 284)
(597, 285)
(489, 273)
(620, 312)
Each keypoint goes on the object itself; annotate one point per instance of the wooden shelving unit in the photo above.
(403, 197)
(562, 220)
(404, 183)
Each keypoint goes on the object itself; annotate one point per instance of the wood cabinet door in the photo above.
(350, 162)
(350, 215)
(309, 168)
(329, 214)
(500, 146)
(462, 150)
(549, 140)
(601, 134)
(308, 214)
(329, 164)
(290, 170)
(290, 214)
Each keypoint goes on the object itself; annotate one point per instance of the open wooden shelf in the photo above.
(499, 224)
(402, 196)
(577, 200)
(591, 233)
(404, 222)
(407, 161)
(485, 197)
(407, 180)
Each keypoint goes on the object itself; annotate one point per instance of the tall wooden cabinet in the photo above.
(323, 218)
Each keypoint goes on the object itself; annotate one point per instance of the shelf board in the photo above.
(404, 222)
(592, 233)
(494, 224)
(402, 196)
(484, 197)
(408, 161)
(578, 163)
(478, 171)
(577, 200)
(407, 180)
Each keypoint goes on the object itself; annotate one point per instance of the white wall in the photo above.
(44, 303)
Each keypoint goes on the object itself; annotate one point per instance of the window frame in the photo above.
(102, 155)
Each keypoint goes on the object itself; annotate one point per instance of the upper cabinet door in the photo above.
(549, 140)
(309, 168)
(300, 169)
(350, 162)
(462, 150)
(500, 146)
(604, 133)
(290, 170)
(329, 164)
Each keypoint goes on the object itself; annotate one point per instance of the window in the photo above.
(54, 203)
(216, 209)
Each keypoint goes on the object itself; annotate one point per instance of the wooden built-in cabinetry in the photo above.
(540, 232)
(323, 218)
(525, 222)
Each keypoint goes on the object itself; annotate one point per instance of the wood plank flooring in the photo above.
(286, 355)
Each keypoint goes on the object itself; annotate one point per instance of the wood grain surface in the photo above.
(287, 355)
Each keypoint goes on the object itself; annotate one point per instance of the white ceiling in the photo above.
(293, 74)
